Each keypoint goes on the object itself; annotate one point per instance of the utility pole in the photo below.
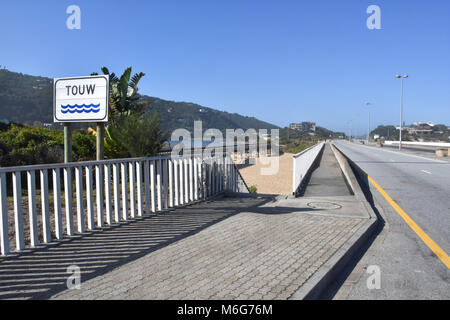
(401, 109)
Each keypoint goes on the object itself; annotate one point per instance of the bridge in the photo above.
(188, 228)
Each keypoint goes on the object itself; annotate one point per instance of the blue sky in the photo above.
(280, 61)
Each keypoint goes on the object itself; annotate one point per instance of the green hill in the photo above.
(28, 100)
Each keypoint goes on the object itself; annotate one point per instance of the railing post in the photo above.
(210, 178)
(158, 185)
(139, 188)
(225, 172)
(18, 222)
(116, 178)
(57, 203)
(31, 182)
(147, 185)
(195, 178)
(99, 194)
(68, 200)
(108, 197)
(181, 174)
(165, 176)
(200, 177)
(152, 185)
(175, 175)
(186, 181)
(123, 167)
(4, 236)
(191, 180)
(170, 164)
(45, 207)
(90, 198)
(233, 177)
(80, 200)
(132, 177)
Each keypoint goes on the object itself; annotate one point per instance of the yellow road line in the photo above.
(428, 241)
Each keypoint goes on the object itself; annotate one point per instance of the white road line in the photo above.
(426, 171)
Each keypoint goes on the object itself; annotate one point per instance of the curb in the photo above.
(327, 273)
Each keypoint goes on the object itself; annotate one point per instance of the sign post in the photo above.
(67, 142)
(100, 140)
(81, 99)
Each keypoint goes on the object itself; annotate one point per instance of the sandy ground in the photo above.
(280, 183)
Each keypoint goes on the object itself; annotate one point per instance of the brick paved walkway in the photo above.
(264, 253)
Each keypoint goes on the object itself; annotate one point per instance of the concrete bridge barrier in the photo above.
(302, 164)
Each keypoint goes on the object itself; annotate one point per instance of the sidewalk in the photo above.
(267, 252)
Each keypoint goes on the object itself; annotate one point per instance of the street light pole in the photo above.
(401, 77)
(368, 122)
(351, 133)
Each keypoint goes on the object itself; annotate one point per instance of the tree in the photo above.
(130, 133)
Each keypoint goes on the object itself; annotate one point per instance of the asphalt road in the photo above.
(409, 269)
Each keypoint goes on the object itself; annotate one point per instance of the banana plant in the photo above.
(123, 101)
(123, 95)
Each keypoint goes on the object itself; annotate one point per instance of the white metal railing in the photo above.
(105, 192)
(302, 163)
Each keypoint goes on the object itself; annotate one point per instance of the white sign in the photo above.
(82, 99)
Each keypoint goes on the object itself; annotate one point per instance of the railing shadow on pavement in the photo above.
(41, 272)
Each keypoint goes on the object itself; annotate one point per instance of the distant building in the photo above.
(304, 126)
(421, 127)
(295, 126)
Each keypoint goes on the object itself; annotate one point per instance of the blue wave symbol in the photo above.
(82, 106)
(95, 108)
(81, 111)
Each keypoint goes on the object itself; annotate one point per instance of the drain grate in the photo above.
(324, 205)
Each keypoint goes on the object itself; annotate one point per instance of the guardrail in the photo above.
(422, 144)
(302, 163)
(123, 189)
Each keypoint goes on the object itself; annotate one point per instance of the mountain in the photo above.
(25, 99)
(28, 100)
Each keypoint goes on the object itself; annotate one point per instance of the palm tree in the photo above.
(123, 93)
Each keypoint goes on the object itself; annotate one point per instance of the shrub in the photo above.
(134, 136)
(27, 146)
(83, 145)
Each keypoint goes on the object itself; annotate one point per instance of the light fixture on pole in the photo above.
(401, 109)
(368, 104)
